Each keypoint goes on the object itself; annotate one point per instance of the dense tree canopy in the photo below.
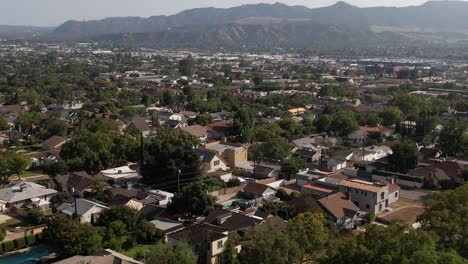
(74, 238)
(243, 122)
(193, 200)
(93, 152)
(446, 218)
(452, 138)
(386, 245)
(165, 254)
(168, 154)
(405, 157)
(12, 164)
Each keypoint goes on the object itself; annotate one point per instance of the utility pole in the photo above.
(178, 181)
(74, 198)
(254, 168)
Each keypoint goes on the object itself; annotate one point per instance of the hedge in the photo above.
(20, 242)
(405, 177)
(31, 240)
(8, 246)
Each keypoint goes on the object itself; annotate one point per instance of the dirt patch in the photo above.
(4, 218)
(407, 215)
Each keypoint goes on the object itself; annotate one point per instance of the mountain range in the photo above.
(271, 25)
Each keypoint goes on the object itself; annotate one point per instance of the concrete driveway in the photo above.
(413, 195)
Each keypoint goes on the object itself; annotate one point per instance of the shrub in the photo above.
(128, 244)
(31, 240)
(20, 242)
(2, 233)
(38, 237)
(9, 246)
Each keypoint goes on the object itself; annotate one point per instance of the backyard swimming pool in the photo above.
(26, 257)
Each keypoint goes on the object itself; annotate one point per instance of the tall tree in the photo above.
(309, 231)
(387, 245)
(343, 123)
(74, 238)
(391, 115)
(165, 254)
(12, 164)
(290, 167)
(186, 66)
(452, 138)
(272, 245)
(169, 155)
(405, 157)
(243, 123)
(194, 200)
(446, 218)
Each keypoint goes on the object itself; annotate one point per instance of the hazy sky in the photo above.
(55, 12)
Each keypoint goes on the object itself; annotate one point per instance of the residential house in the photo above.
(317, 190)
(106, 257)
(25, 193)
(233, 154)
(308, 176)
(341, 210)
(197, 131)
(140, 125)
(207, 241)
(162, 197)
(264, 172)
(122, 174)
(255, 190)
(339, 161)
(222, 128)
(308, 149)
(165, 226)
(296, 111)
(41, 158)
(87, 211)
(77, 182)
(54, 143)
(360, 136)
(373, 197)
(211, 161)
(442, 171)
(231, 221)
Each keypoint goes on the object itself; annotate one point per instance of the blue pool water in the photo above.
(26, 257)
(229, 204)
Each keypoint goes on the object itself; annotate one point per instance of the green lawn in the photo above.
(136, 251)
(27, 174)
(14, 222)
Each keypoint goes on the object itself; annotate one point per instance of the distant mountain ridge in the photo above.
(280, 24)
(7, 31)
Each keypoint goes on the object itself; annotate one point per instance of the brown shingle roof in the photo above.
(233, 221)
(361, 185)
(195, 130)
(338, 205)
(140, 124)
(199, 233)
(55, 141)
(256, 188)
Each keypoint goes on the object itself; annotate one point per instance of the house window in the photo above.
(367, 206)
(380, 207)
(396, 194)
(365, 193)
(382, 196)
(220, 244)
(217, 162)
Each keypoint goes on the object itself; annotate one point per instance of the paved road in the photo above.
(413, 195)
